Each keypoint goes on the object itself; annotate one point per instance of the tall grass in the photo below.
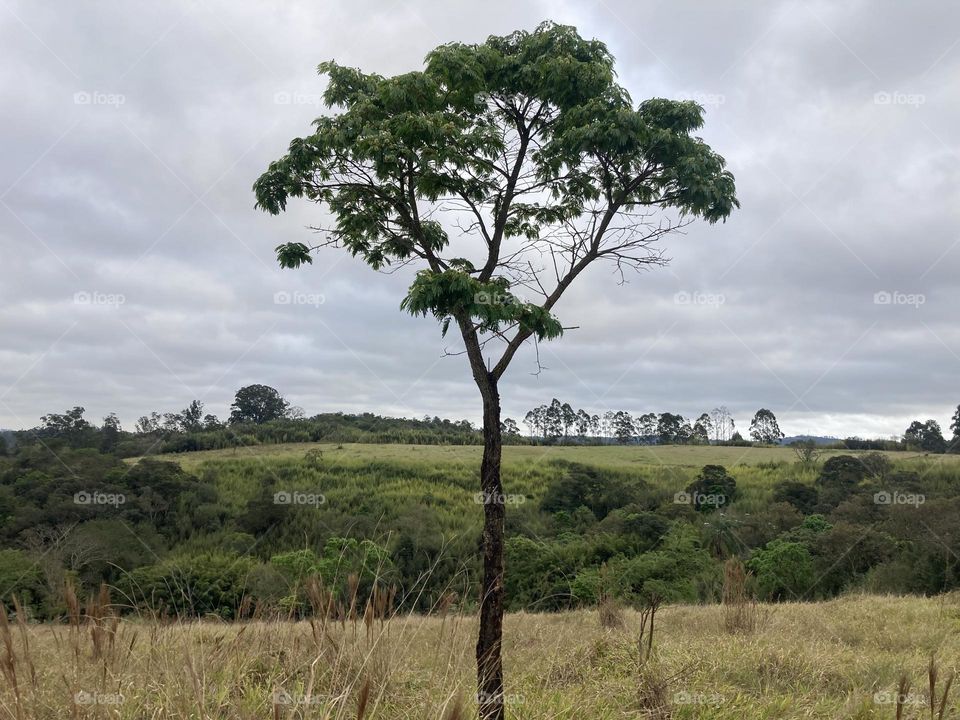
(841, 659)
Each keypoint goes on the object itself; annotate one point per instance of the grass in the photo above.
(840, 659)
(614, 456)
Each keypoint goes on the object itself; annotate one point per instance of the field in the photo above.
(622, 456)
(832, 660)
(841, 651)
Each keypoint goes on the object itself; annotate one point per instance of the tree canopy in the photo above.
(525, 139)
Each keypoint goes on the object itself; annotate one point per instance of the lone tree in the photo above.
(527, 147)
(764, 427)
(257, 404)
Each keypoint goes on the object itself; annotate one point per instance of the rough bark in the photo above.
(489, 640)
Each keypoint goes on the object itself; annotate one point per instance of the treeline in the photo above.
(260, 415)
(559, 423)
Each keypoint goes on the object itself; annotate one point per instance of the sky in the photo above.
(136, 274)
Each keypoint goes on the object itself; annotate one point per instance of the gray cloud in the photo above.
(136, 275)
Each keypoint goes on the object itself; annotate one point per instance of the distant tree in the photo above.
(69, 426)
(669, 428)
(723, 425)
(764, 428)
(807, 453)
(955, 427)
(211, 422)
(714, 488)
(151, 423)
(925, 436)
(568, 417)
(647, 426)
(623, 429)
(191, 417)
(535, 421)
(553, 420)
(582, 423)
(509, 428)
(257, 404)
(110, 433)
(4, 449)
(702, 430)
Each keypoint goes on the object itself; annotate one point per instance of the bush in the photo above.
(784, 570)
(199, 585)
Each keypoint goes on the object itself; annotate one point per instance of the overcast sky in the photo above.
(135, 274)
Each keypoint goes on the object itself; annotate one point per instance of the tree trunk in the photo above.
(489, 640)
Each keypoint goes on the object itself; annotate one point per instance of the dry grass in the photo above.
(841, 659)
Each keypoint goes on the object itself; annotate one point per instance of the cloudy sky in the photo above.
(135, 274)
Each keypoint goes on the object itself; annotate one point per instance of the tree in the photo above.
(191, 417)
(529, 144)
(955, 427)
(110, 433)
(70, 426)
(509, 428)
(568, 417)
(723, 425)
(713, 488)
(670, 428)
(926, 436)
(702, 429)
(622, 427)
(583, 423)
(807, 453)
(534, 420)
(258, 404)
(764, 428)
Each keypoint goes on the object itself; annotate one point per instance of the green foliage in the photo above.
(547, 104)
(584, 486)
(208, 584)
(20, 576)
(783, 570)
(800, 495)
(257, 404)
(713, 488)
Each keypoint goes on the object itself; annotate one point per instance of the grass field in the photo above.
(840, 659)
(623, 456)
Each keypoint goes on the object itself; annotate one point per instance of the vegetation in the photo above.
(856, 658)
